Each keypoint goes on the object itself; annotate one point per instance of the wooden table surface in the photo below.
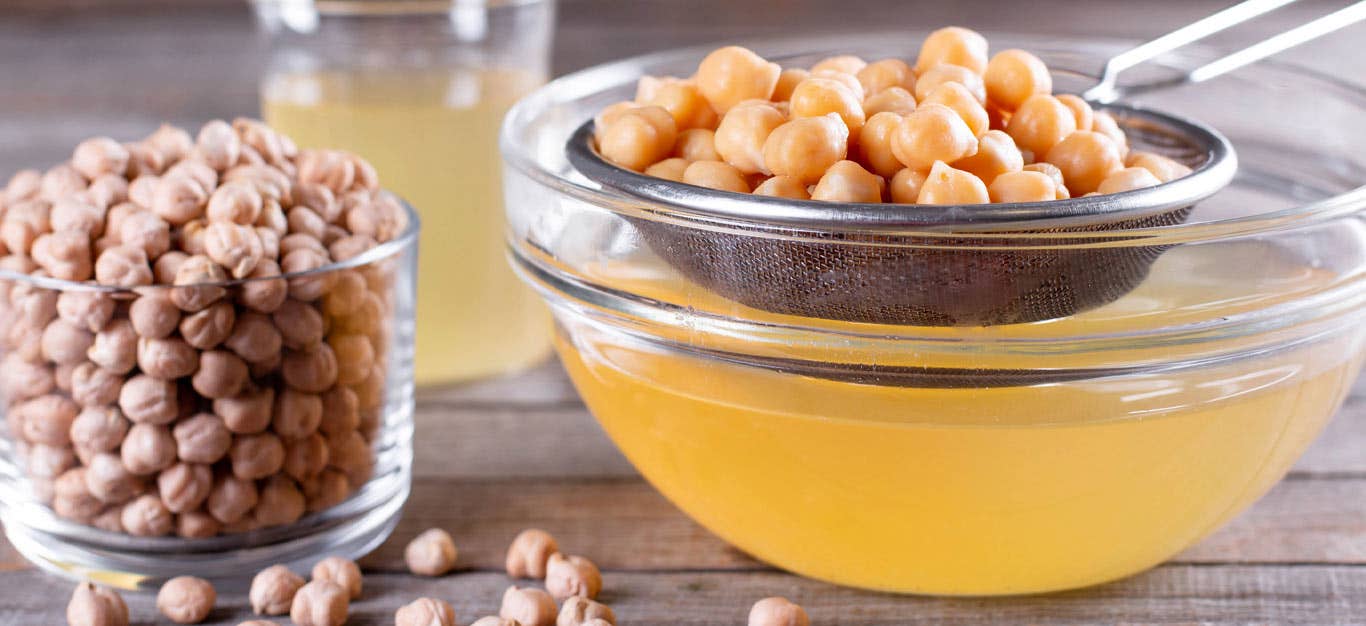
(496, 456)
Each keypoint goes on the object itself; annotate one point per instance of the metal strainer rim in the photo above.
(1216, 172)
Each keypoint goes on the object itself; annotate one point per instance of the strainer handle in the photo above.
(1107, 90)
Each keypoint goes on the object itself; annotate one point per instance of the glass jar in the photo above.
(978, 459)
(117, 467)
(419, 88)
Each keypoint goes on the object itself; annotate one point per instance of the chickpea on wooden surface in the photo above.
(741, 123)
(155, 399)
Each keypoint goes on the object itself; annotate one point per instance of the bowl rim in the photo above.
(590, 81)
(383, 250)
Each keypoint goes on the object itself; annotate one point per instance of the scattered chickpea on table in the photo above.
(958, 127)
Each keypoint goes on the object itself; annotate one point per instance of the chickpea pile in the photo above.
(147, 397)
(957, 127)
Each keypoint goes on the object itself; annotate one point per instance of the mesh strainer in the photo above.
(964, 265)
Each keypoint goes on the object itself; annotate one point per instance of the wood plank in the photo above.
(1170, 594)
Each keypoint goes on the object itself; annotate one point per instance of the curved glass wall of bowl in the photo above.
(351, 525)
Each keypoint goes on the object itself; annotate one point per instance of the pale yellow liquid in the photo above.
(966, 491)
(433, 138)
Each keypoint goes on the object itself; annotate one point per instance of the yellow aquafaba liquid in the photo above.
(432, 135)
(990, 490)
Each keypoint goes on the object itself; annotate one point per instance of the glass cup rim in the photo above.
(591, 80)
(379, 252)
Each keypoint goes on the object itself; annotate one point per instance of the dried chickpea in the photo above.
(1105, 124)
(77, 214)
(528, 607)
(303, 220)
(218, 145)
(196, 286)
(1022, 186)
(108, 480)
(96, 606)
(23, 185)
(305, 457)
(184, 486)
(272, 590)
(804, 148)
(425, 612)
(1012, 76)
(231, 498)
(730, 75)
(21, 379)
(248, 413)
(946, 185)
(98, 429)
(716, 175)
(110, 520)
(297, 414)
(892, 100)
(954, 45)
(788, 80)
(153, 316)
(312, 371)
(343, 572)
(280, 503)
(179, 198)
(65, 255)
(1054, 174)
(238, 201)
(263, 292)
(777, 612)
(60, 181)
(1040, 123)
(71, 499)
(941, 74)
(167, 359)
(234, 246)
(255, 456)
(197, 524)
(1165, 169)
(783, 187)
(148, 449)
(90, 310)
(147, 516)
(580, 611)
(186, 599)
(847, 181)
(329, 489)
(637, 138)
(1128, 179)
(696, 144)
(341, 411)
(1086, 158)
(254, 337)
(1081, 111)
(431, 553)
(166, 265)
(568, 576)
(319, 603)
(493, 620)
(148, 400)
(932, 133)
(202, 438)
(879, 76)
(668, 169)
(47, 419)
(302, 262)
(818, 96)
(123, 266)
(529, 552)
(740, 137)
(956, 97)
(996, 155)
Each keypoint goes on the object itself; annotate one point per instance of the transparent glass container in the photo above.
(344, 472)
(968, 460)
(419, 89)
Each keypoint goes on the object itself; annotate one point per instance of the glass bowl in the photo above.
(344, 472)
(968, 460)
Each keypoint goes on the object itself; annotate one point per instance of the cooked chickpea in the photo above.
(996, 155)
(946, 185)
(1105, 124)
(1012, 76)
(932, 133)
(684, 101)
(1086, 158)
(1054, 174)
(528, 607)
(777, 612)
(844, 63)
(730, 75)
(788, 80)
(879, 76)
(431, 553)
(847, 181)
(740, 137)
(804, 148)
(696, 144)
(941, 74)
(716, 175)
(1165, 169)
(568, 576)
(1040, 123)
(956, 97)
(1128, 179)
(668, 169)
(319, 603)
(272, 590)
(892, 100)
(1081, 110)
(783, 187)
(638, 137)
(1022, 186)
(425, 612)
(954, 45)
(818, 96)
(343, 572)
